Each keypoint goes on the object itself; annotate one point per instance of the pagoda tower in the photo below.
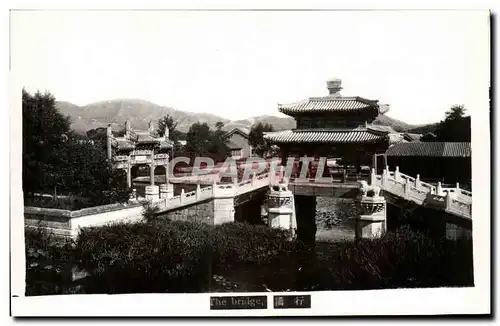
(333, 126)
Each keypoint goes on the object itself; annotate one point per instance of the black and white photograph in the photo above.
(250, 162)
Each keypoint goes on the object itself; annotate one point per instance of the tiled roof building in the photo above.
(332, 119)
(431, 149)
(447, 162)
(238, 143)
(334, 126)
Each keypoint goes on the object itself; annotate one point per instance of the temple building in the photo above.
(334, 126)
(445, 162)
(238, 143)
(139, 149)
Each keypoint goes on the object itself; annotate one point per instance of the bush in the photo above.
(400, 259)
(174, 256)
(237, 243)
(150, 212)
(48, 263)
(170, 256)
(69, 203)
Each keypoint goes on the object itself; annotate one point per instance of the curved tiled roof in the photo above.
(430, 149)
(328, 103)
(324, 136)
(123, 144)
(241, 130)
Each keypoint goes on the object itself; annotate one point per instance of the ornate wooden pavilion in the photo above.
(334, 126)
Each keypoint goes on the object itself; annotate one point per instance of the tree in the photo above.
(173, 134)
(167, 122)
(197, 139)
(201, 141)
(45, 130)
(456, 112)
(98, 136)
(85, 171)
(56, 159)
(256, 137)
(219, 125)
(218, 148)
(455, 127)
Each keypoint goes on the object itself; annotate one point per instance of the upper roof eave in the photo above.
(354, 103)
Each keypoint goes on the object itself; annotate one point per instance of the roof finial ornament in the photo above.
(334, 86)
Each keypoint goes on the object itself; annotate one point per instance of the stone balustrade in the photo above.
(452, 200)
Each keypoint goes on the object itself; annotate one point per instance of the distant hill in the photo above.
(140, 112)
(279, 123)
(424, 129)
(397, 125)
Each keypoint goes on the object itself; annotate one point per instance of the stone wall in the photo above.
(57, 224)
(198, 212)
(455, 232)
(67, 223)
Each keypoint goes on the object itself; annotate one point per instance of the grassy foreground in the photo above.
(163, 256)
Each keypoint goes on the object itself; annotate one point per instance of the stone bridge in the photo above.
(288, 204)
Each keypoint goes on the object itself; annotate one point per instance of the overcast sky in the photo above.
(241, 64)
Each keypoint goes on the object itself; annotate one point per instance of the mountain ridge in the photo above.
(139, 112)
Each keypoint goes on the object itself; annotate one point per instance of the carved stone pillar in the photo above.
(152, 174)
(133, 195)
(109, 136)
(152, 193)
(129, 174)
(281, 208)
(166, 190)
(224, 203)
(372, 219)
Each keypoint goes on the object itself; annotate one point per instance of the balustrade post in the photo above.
(384, 177)
(407, 190)
(253, 179)
(198, 191)
(182, 196)
(448, 200)
(439, 190)
(458, 188)
(417, 181)
(373, 177)
(396, 174)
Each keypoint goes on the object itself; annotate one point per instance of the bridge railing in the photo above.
(187, 198)
(216, 189)
(454, 200)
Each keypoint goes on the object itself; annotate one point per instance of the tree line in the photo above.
(455, 127)
(201, 140)
(59, 161)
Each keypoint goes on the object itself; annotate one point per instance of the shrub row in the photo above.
(179, 256)
(401, 259)
(171, 256)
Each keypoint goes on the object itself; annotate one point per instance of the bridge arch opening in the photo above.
(161, 174)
